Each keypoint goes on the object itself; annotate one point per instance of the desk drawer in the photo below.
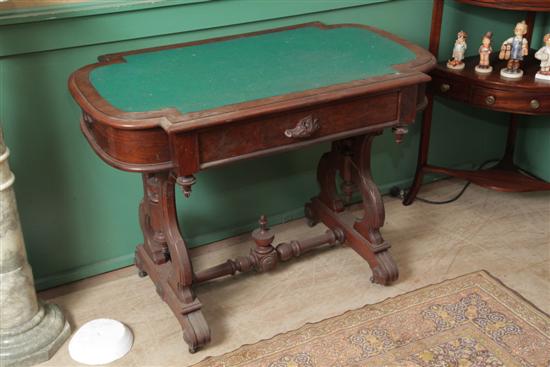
(529, 103)
(296, 127)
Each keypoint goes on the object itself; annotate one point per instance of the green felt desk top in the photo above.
(210, 75)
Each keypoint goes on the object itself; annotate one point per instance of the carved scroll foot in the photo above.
(386, 272)
(196, 332)
(181, 300)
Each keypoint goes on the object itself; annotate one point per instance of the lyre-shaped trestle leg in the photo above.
(383, 267)
(351, 157)
(165, 258)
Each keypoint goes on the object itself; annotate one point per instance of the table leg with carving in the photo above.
(364, 236)
(165, 258)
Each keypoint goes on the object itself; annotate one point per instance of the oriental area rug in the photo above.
(469, 321)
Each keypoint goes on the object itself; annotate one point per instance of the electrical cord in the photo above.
(457, 196)
(397, 192)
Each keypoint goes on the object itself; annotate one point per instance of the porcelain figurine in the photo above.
(544, 56)
(484, 52)
(459, 49)
(513, 50)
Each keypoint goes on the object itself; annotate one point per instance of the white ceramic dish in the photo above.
(100, 341)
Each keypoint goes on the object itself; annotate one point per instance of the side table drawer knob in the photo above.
(490, 100)
(304, 128)
(534, 104)
(445, 87)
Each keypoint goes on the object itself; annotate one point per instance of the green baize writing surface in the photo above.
(210, 75)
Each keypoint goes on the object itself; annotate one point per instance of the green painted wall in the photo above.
(80, 216)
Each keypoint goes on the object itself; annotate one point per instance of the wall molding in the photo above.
(110, 26)
(71, 10)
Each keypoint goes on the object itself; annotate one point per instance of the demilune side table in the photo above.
(525, 96)
(169, 112)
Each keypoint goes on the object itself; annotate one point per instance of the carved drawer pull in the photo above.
(490, 100)
(534, 104)
(445, 87)
(304, 128)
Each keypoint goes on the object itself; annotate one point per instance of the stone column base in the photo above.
(36, 340)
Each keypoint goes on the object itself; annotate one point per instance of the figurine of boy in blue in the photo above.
(513, 50)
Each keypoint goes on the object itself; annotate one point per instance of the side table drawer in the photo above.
(449, 88)
(527, 103)
(297, 127)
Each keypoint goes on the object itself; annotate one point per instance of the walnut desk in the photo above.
(172, 111)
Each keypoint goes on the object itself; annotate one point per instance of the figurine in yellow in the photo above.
(484, 52)
(458, 52)
(513, 50)
(544, 56)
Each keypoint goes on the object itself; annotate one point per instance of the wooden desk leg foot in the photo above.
(386, 272)
(165, 258)
(196, 332)
(311, 218)
(364, 236)
(181, 300)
